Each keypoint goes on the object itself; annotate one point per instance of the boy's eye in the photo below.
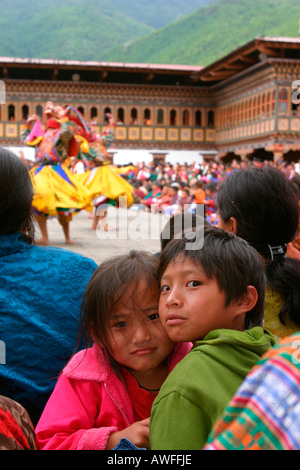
(153, 316)
(164, 288)
(193, 283)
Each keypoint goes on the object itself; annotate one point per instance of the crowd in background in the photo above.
(174, 187)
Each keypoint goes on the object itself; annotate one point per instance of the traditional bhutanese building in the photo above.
(245, 104)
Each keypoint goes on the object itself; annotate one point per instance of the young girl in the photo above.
(105, 393)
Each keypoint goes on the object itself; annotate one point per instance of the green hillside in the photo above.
(192, 32)
(211, 32)
(158, 13)
(81, 29)
(64, 29)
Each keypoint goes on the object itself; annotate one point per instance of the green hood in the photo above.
(249, 343)
(201, 385)
(256, 339)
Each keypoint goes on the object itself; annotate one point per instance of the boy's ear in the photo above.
(248, 301)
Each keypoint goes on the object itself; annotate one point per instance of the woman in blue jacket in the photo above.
(40, 296)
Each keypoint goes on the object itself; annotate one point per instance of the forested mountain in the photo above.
(211, 32)
(195, 32)
(81, 29)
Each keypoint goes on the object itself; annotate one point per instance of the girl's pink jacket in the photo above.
(89, 402)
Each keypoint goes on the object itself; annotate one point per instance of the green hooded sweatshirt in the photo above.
(197, 391)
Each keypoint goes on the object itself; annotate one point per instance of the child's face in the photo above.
(191, 305)
(137, 339)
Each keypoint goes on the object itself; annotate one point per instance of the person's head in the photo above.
(120, 312)
(185, 193)
(259, 205)
(16, 194)
(173, 190)
(295, 182)
(180, 223)
(199, 184)
(221, 285)
(210, 189)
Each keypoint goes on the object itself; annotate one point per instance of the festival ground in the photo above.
(93, 244)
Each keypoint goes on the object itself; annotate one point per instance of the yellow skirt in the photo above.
(105, 181)
(57, 189)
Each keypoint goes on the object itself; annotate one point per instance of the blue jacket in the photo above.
(40, 296)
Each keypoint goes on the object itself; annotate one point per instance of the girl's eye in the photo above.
(153, 316)
(164, 288)
(120, 324)
(193, 283)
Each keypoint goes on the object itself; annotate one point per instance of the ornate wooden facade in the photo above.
(241, 105)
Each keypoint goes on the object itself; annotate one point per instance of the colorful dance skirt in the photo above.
(57, 190)
(105, 181)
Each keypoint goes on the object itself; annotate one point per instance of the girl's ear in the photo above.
(248, 301)
(229, 226)
(232, 225)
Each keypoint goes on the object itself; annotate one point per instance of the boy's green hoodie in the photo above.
(197, 391)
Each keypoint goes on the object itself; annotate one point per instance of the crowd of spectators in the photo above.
(171, 188)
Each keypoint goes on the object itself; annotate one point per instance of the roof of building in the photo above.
(257, 50)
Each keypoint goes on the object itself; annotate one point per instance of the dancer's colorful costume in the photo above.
(101, 178)
(56, 189)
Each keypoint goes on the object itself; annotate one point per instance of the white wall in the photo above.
(126, 156)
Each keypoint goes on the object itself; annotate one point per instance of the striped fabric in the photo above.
(265, 412)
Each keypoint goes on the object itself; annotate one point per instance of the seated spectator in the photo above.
(143, 173)
(164, 199)
(40, 296)
(185, 198)
(199, 193)
(173, 205)
(259, 205)
(211, 202)
(153, 195)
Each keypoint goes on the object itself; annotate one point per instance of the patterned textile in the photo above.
(48, 151)
(16, 429)
(265, 412)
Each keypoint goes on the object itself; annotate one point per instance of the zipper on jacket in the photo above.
(117, 405)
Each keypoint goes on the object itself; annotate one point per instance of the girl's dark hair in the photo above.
(229, 259)
(108, 286)
(16, 193)
(265, 206)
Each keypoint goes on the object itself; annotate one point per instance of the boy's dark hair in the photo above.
(16, 194)
(183, 222)
(265, 206)
(229, 259)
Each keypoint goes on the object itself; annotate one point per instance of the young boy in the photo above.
(213, 297)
